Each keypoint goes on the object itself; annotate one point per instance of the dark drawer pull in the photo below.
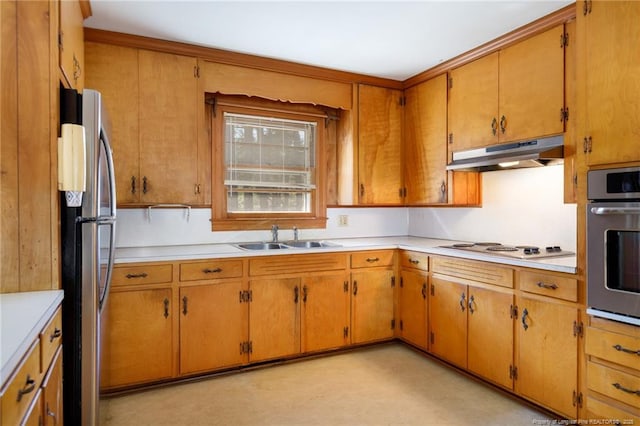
(551, 286)
(141, 275)
(29, 386)
(212, 271)
(623, 389)
(620, 348)
(56, 333)
(372, 259)
(414, 261)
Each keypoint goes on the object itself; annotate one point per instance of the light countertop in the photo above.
(425, 245)
(22, 318)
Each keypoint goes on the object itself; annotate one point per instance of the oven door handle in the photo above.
(615, 210)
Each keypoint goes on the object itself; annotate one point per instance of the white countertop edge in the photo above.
(425, 245)
(22, 317)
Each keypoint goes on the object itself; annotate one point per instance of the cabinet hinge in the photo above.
(514, 312)
(60, 42)
(393, 281)
(450, 82)
(433, 290)
(246, 347)
(564, 40)
(513, 372)
(393, 324)
(450, 138)
(345, 286)
(564, 114)
(578, 329)
(345, 332)
(246, 296)
(402, 192)
(402, 101)
(432, 338)
(196, 71)
(577, 399)
(586, 7)
(401, 325)
(401, 282)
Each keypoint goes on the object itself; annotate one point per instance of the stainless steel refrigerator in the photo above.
(87, 247)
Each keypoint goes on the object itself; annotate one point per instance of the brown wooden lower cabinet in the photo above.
(372, 305)
(412, 301)
(137, 347)
(214, 321)
(448, 320)
(547, 354)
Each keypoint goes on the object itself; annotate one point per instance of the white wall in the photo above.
(522, 206)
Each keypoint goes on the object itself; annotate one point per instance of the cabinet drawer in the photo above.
(597, 409)
(142, 274)
(549, 285)
(476, 271)
(50, 340)
(367, 259)
(22, 387)
(415, 260)
(210, 270)
(613, 347)
(614, 383)
(274, 265)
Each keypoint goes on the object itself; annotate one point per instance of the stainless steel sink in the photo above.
(309, 244)
(262, 246)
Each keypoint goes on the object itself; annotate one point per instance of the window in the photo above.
(266, 157)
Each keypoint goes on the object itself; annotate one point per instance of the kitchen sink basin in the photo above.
(309, 244)
(262, 246)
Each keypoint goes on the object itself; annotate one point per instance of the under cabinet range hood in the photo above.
(531, 153)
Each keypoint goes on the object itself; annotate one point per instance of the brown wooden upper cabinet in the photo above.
(379, 145)
(510, 95)
(151, 98)
(609, 65)
(71, 43)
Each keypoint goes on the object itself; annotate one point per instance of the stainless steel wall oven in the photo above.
(613, 244)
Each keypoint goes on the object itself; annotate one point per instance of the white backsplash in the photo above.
(523, 206)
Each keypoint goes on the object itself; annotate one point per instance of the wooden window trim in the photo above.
(221, 220)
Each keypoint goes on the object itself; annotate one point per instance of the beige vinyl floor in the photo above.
(388, 384)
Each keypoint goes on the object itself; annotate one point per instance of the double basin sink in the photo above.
(286, 245)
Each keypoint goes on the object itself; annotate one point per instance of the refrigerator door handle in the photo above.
(112, 251)
(111, 172)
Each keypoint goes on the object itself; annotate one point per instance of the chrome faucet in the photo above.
(295, 233)
(274, 233)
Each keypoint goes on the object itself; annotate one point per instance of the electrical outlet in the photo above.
(343, 220)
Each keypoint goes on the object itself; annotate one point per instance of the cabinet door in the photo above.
(52, 392)
(371, 305)
(274, 329)
(532, 87)
(448, 320)
(425, 157)
(413, 307)
(473, 104)
(113, 71)
(612, 87)
(213, 325)
(137, 331)
(547, 354)
(379, 145)
(490, 335)
(71, 43)
(168, 128)
(325, 312)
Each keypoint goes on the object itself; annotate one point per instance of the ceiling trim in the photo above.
(558, 17)
(234, 58)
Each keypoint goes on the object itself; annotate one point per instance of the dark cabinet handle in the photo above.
(212, 271)
(144, 185)
(362, 190)
(551, 286)
(133, 184)
(304, 294)
(462, 301)
(424, 290)
(494, 126)
(372, 259)
(627, 390)
(621, 348)
(140, 275)
(355, 288)
(166, 307)
(525, 314)
(471, 302)
(184, 305)
(414, 261)
(29, 386)
(296, 294)
(56, 333)
(503, 124)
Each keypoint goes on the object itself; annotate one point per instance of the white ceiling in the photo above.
(389, 39)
